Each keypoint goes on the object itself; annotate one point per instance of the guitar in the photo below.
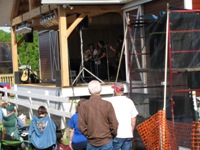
(87, 55)
(25, 76)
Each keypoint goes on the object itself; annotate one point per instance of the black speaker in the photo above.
(58, 78)
(17, 76)
(28, 37)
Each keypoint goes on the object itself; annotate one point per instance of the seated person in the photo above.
(10, 122)
(42, 131)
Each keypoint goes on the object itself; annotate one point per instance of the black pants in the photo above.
(79, 146)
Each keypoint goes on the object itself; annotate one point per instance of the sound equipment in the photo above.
(17, 76)
(28, 37)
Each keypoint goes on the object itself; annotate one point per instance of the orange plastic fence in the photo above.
(180, 134)
(196, 135)
(154, 132)
(159, 133)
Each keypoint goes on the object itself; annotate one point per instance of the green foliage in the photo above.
(4, 36)
(28, 53)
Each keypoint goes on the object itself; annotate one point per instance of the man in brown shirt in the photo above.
(97, 120)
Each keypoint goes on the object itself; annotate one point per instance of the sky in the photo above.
(7, 29)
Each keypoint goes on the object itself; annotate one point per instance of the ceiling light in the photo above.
(23, 29)
(49, 20)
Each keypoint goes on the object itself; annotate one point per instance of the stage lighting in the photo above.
(49, 20)
(23, 29)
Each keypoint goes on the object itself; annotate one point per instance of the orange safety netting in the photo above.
(196, 135)
(159, 133)
(154, 132)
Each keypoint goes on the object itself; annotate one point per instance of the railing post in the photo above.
(63, 119)
(47, 101)
(5, 93)
(30, 109)
(16, 96)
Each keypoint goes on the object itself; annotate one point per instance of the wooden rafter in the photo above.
(38, 11)
(15, 9)
(20, 41)
(75, 23)
(30, 3)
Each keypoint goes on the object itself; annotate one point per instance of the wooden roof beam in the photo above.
(95, 9)
(15, 9)
(32, 14)
(76, 10)
(20, 41)
(75, 23)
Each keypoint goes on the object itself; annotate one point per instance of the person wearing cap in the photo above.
(10, 122)
(126, 113)
(97, 120)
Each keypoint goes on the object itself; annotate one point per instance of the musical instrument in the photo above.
(25, 76)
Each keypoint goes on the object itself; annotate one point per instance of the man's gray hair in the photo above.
(94, 87)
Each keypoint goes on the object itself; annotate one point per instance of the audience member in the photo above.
(97, 61)
(10, 122)
(88, 58)
(1, 111)
(97, 120)
(126, 113)
(77, 140)
(117, 55)
(42, 131)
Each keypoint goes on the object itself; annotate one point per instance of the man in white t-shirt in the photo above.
(126, 113)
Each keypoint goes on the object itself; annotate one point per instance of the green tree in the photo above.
(28, 53)
(4, 36)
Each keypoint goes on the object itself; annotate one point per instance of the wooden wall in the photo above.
(156, 6)
(195, 4)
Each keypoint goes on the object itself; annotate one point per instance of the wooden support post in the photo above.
(65, 80)
(14, 50)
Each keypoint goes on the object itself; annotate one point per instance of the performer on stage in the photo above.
(88, 58)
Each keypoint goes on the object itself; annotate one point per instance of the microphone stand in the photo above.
(82, 67)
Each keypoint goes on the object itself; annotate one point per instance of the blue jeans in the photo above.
(108, 146)
(123, 143)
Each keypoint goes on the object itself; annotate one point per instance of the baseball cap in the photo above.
(118, 86)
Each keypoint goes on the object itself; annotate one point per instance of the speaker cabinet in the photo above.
(17, 76)
(28, 37)
(58, 78)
